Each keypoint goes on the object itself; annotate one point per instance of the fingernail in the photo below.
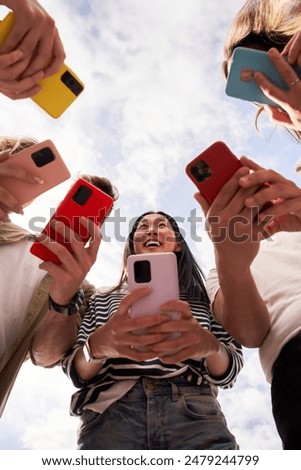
(38, 180)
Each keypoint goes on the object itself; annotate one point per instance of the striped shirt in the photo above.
(101, 307)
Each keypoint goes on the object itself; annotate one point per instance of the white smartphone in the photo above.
(159, 271)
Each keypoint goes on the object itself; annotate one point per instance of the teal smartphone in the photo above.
(247, 61)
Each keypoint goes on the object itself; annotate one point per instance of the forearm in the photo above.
(53, 338)
(86, 370)
(218, 362)
(239, 307)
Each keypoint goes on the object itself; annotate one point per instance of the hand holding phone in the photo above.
(41, 160)
(210, 170)
(240, 82)
(82, 200)
(59, 90)
(159, 271)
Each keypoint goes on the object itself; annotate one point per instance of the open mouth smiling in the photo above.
(152, 243)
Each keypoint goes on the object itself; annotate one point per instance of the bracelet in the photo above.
(88, 355)
(70, 309)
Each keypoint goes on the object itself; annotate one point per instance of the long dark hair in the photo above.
(191, 277)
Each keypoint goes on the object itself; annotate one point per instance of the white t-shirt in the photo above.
(277, 273)
(19, 276)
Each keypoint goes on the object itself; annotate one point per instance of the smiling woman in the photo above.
(155, 99)
(141, 391)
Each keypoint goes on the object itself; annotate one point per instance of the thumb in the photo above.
(202, 202)
(245, 161)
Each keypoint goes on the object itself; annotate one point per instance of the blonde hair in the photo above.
(265, 23)
(268, 22)
(15, 144)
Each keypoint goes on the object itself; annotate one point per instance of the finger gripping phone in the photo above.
(41, 160)
(210, 170)
(83, 199)
(59, 90)
(240, 83)
(159, 271)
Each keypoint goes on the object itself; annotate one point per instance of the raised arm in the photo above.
(236, 236)
(58, 331)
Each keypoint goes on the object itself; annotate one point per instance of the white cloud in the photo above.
(154, 99)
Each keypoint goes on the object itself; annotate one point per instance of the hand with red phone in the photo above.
(75, 263)
(285, 194)
(82, 200)
(234, 228)
(231, 225)
(210, 170)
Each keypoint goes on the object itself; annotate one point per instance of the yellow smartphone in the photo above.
(59, 90)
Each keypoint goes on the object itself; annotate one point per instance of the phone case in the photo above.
(83, 199)
(42, 160)
(159, 271)
(6, 25)
(59, 90)
(210, 170)
(257, 60)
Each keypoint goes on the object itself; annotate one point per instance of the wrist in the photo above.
(89, 353)
(70, 308)
(233, 268)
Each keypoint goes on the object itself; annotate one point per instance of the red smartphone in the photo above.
(210, 170)
(159, 271)
(42, 160)
(83, 199)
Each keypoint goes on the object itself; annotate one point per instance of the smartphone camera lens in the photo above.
(201, 171)
(81, 195)
(72, 83)
(43, 157)
(142, 271)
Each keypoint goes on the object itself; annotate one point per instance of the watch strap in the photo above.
(88, 355)
(70, 309)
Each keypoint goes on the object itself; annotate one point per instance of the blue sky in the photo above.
(154, 99)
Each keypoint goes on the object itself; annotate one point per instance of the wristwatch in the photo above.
(69, 309)
(88, 353)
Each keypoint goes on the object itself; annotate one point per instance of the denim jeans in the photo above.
(159, 415)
